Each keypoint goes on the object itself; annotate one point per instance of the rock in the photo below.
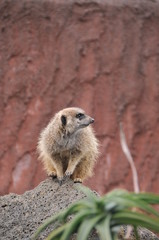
(21, 215)
(143, 233)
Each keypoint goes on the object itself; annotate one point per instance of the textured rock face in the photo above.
(22, 214)
(98, 55)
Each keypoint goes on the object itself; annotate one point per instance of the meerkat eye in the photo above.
(80, 116)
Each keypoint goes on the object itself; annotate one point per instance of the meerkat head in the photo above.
(74, 119)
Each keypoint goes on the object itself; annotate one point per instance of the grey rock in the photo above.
(21, 215)
(144, 234)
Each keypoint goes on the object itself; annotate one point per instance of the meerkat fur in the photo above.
(68, 146)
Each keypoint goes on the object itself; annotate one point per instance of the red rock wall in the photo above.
(102, 56)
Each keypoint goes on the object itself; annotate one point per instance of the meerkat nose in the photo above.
(92, 120)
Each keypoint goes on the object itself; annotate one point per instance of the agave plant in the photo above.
(105, 214)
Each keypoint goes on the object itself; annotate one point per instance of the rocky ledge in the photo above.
(21, 215)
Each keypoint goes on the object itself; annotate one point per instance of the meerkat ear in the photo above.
(63, 120)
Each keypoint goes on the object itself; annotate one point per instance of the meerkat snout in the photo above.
(92, 120)
(68, 146)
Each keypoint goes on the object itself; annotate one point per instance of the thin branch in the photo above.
(129, 158)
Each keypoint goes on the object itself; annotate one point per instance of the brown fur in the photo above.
(68, 146)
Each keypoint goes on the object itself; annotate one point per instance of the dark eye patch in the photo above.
(63, 120)
(80, 115)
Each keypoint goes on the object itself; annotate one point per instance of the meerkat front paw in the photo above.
(68, 173)
(61, 180)
(77, 180)
(52, 174)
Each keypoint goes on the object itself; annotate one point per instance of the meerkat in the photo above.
(68, 146)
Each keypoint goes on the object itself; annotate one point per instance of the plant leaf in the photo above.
(128, 201)
(57, 232)
(76, 207)
(86, 227)
(90, 195)
(103, 229)
(136, 219)
(147, 197)
(74, 224)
